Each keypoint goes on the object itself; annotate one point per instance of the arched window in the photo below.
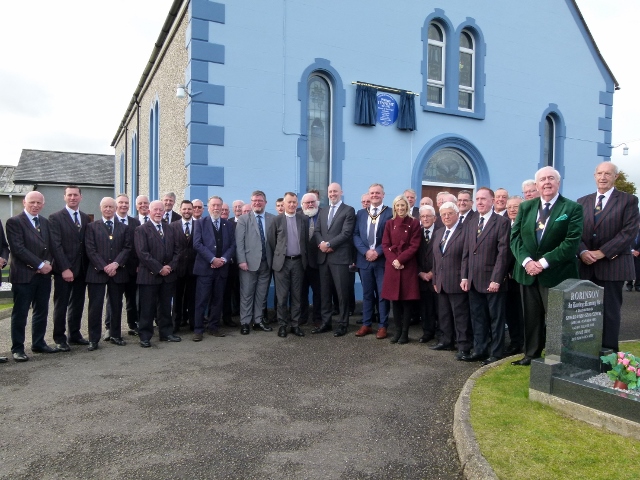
(319, 116)
(134, 172)
(448, 169)
(467, 72)
(549, 142)
(436, 65)
(154, 154)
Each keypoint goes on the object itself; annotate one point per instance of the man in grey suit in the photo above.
(333, 235)
(254, 261)
(288, 240)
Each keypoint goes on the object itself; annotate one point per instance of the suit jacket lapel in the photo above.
(611, 203)
(487, 228)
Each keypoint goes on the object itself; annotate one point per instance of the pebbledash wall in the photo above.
(247, 65)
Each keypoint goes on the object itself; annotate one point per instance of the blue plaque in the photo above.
(387, 109)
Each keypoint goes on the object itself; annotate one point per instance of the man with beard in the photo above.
(311, 273)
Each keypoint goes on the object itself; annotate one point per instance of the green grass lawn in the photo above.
(526, 440)
(4, 306)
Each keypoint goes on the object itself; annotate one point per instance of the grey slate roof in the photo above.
(7, 186)
(64, 168)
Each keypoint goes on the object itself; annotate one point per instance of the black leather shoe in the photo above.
(20, 356)
(463, 353)
(118, 341)
(442, 346)
(322, 328)
(93, 346)
(63, 347)
(79, 341)
(133, 332)
(244, 329)
(512, 350)
(522, 362)
(340, 332)
(229, 323)
(171, 338)
(297, 331)
(145, 343)
(474, 358)
(45, 349)
(4, 359)
(425, 338)
(262, 326)
(490, 360)
(629, 288)
(282, 332)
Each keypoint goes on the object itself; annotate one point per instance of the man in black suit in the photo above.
(465, 204)
(334, 238)
(610, 225)
(142, 206)
(515, 314)
(108, 246)
(29, 237)
(159, 254)
(428, 298)
(287, 237)
(184, 303)
(4, 256)
(500, 201)
(198, 208)
(635, 251)
(411, 196)
(214, 245)
(131, 287)
(169, 200)
(311, 273)
(69, 267)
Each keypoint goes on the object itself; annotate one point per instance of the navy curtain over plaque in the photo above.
(406, 112)
(366, 106)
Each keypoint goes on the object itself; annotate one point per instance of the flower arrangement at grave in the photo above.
(625, 369)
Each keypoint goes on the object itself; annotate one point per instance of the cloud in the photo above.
(21, 96)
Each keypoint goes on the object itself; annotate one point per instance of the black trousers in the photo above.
(311, 279)
(184, 303)
(453, 319)
(534, 301)
(338, 275)
(131, 305)
(611, 314)
(155, 300)
(68, 304)
(96, 304)
(515, 315)
(36, 293)
(428, 306)
(487, 322)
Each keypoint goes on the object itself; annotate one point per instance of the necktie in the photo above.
(187, 232)
(36, 222)
(312, 228)
(109, 227)
(75, 216)
(166, 217)
(480, 227)
(123, 220)
(146, 219)
(426, 234)
(542, 220)
(159, 227)
(444, 240)
(264, 246)
(332, 211)
(216, 224)
(598, 208)
(461, 219)
(371, 237)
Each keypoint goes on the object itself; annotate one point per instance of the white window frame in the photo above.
(443, 46)
(463, 88)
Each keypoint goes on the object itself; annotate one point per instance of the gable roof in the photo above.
(64, 168)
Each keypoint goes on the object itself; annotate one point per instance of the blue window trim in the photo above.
(134, 173)
(457, 142)
(322, 66)
(154, 154)
(452, 74)
(560, 134)
(122, 173)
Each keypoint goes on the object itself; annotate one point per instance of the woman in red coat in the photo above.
(400, 243)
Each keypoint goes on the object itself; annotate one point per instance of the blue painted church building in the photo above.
(491, 92)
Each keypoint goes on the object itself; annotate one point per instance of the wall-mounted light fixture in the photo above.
(625, 149)
(182, 92)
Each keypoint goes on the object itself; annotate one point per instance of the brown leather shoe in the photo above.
(197, 337)
(215, 333)
(382, 333)
(364, 330)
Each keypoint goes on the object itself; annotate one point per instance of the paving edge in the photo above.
(474, 465)
(5, 313)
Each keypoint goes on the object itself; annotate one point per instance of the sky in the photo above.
(48, 101)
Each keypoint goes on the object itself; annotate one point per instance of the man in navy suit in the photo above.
(367, 238)
(29, 238)
(610, 225)
(215, 245)
(334, 238)
(108, 247)
(485, 262)
(159, 254)
(69, 267)
(184, 303)
(4, 256)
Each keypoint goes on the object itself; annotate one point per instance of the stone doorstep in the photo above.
(618, 425)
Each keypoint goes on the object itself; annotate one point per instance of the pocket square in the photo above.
(562, 217)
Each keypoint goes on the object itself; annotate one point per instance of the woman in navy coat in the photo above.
(400, 244)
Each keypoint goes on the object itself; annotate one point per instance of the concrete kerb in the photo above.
(474, 465)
